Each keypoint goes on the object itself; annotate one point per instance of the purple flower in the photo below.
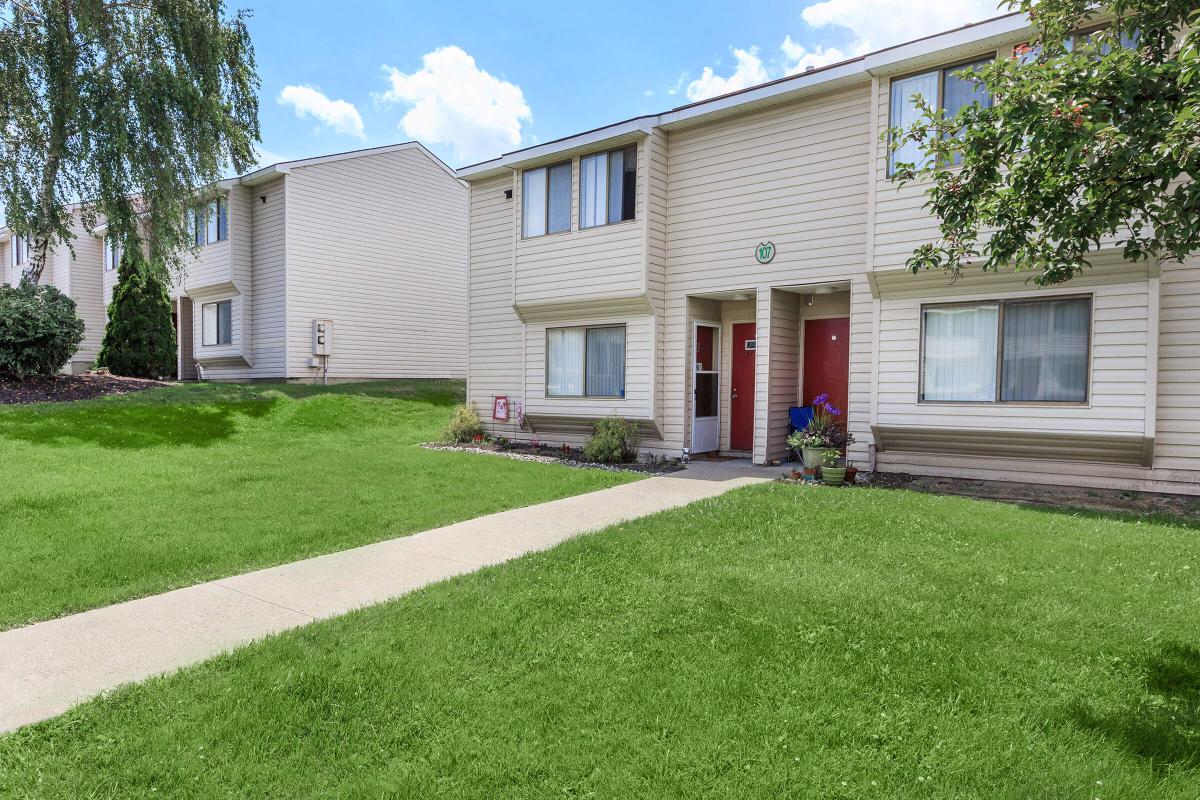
(821, 399)
(837, 412)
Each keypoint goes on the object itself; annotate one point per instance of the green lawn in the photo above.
(107, 500)
(776, 642)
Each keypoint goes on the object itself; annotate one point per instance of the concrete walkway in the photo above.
(48, 667)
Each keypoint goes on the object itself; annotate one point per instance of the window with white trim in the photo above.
(217, 323)
(1006, 351)
(585, 361)
(18, 250)
(608, 187)
(546, 200)
(950, 89)
(112, 254)
(211, 223)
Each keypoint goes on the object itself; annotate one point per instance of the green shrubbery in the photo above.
(39, 329)
(139, 340)
(464, 424)
(614, 442)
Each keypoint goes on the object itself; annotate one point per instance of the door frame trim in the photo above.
(754, 406)
(696, 325)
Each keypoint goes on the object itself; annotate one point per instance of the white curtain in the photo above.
(593, 194)
(1046, 351)
(606, 362)
(564, 362)
(209, 323)
(533, 202)
(904, 112)
(960, 353)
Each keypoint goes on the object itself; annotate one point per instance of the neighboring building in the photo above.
(702, 270)
(77, 272)
(371, 243)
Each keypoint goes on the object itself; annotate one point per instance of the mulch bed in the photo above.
(64, 388)
(1146, 504)
(551, 455)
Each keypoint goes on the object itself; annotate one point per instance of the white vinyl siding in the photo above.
(391, 273)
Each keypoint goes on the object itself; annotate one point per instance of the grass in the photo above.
(774, 642)
(112, 499)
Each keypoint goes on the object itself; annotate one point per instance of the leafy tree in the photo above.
(1088, 137)
(126, 105)
(139, 339)
(39, 329)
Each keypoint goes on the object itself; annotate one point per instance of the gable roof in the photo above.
(284, 167)
(889, 60)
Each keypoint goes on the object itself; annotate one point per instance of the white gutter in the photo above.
(889, 60)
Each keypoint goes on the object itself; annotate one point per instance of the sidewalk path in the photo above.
(48, 667)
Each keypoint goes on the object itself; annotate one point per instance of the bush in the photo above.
(139, 340)
(39, 329)
(615, 442)
(464, 424)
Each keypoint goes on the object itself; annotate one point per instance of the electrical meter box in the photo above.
(322, 337)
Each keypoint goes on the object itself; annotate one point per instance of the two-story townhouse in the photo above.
(369, 243)
(77, 272)
(703, 270)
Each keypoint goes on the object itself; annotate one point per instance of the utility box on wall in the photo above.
(322, 337)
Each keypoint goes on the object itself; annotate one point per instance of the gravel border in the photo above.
(639, 468)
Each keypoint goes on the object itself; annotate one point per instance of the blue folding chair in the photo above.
(798, 419)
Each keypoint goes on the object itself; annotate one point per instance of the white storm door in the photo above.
(706, 390)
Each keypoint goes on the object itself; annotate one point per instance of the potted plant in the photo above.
(823, 432)
(831, 473)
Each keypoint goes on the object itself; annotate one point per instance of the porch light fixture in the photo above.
(742, 296)
(826, 289)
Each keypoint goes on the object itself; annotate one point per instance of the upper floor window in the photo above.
(217, 323)
(951, 89)
(1027, 53)
(112, 254)
(19, 250)
(607, 187)
(1008, 351)
(211, 223)
(546, 200)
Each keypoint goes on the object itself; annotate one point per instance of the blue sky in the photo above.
(475, 79)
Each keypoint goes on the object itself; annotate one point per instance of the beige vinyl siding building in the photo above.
(764, 263)
(370, 241)
(77, 272)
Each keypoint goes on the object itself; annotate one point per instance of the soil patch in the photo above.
(64, 388)
(553, 455)
(1184, 508)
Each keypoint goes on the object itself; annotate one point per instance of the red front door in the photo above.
(741, 393)
(827, 360)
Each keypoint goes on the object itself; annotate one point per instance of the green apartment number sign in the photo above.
(764, 252)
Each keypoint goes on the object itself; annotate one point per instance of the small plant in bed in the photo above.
(615, 441)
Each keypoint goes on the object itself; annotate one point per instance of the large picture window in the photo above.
(585, 362)
(951, 89)
(1012, 351)
(546, 200)
(217, 323)
(608, 187)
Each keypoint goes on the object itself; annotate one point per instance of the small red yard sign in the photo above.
(500, 407)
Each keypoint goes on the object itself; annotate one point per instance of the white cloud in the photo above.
(455, 102)
(749, 71)
(881, 23)
(340, 115)
(798, 58)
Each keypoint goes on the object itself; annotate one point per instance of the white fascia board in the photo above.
(933, 48)
(639, 126)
